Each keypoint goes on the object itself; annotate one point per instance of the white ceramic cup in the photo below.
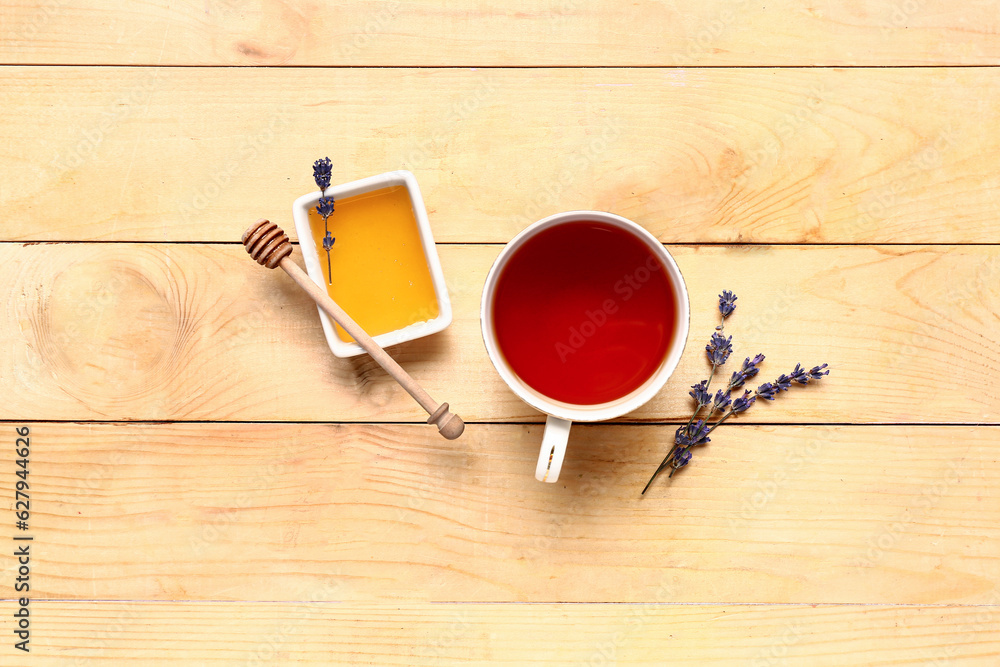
(560, 414)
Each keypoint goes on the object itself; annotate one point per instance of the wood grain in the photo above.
(191, 332)
(805, 533)
(718, 155)
(269, 512)
(511, 32)
(316, 633)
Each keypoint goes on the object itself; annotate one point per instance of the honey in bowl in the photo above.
(378, 272)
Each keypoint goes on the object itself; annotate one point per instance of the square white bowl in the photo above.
(300, 213)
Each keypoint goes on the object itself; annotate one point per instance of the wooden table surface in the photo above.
(210, 485)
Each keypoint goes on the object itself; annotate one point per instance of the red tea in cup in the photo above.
(584, 312)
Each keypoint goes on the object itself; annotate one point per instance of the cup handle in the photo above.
(553, 451)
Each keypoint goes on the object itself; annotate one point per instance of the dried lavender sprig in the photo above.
(768, 391)
(718, 350)
(322, 172)
(685, 437)
(680, 453)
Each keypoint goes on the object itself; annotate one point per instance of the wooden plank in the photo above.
(748, 155)
(151, 331)
(271, 512)
(258, 634)
(512, 32)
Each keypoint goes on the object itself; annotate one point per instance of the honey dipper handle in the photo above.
(449, 424)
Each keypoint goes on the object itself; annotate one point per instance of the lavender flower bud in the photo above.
(750, 366)
(727, 303)
(768, 391)
(698, 433)
(737, 380)
(719, 348)
(783, 382)
(328, 242)
(321, 173)
(800, 375)
(817, 372)
(325, 206)
(681, 458)
(743, 403)
(722, 400)
(748, 371)
(699, 392)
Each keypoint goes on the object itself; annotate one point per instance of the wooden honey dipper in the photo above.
(269, 246)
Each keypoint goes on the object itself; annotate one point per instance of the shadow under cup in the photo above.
(585, 315)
